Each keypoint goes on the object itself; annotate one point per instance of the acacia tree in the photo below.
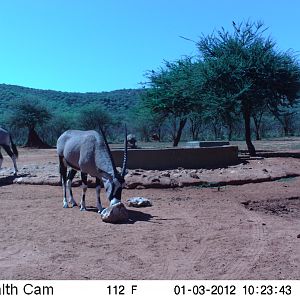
(172, 93)
(93, 117)
(146, 122)
(29, 113)
(244, 68)
(60, 122)
(196, 122)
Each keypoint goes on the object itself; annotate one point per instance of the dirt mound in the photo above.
(289, 207)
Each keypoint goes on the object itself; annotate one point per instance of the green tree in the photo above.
(172, 93)
(30, 113)
(195, 122)
(94, 117)
(145, 122)
(60, 122)
(245, 68)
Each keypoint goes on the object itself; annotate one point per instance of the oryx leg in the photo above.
(1, 158)
(84, 189)
(63, 174)
(12, 156)
(98, 201)
(70, 177)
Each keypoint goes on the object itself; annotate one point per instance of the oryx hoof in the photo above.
(74, 204)
(82, 209)
(65, 205)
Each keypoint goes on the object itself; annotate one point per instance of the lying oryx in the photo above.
(89, 153)
(8, 145)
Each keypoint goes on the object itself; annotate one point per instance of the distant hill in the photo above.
(116, 102)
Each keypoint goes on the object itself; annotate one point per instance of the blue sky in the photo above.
(103, 45)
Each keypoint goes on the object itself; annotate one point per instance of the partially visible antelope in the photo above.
(10, 148)
(89, 153)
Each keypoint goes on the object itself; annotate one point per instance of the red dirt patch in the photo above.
(188, 233)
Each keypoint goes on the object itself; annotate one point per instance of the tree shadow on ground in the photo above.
(7, 180)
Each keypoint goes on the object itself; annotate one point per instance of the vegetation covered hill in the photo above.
(33, 113)
(115, 102)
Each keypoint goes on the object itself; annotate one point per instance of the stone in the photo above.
(165, 174)
(115, 213)
(194, 175)
(140, 187)
(139, 202)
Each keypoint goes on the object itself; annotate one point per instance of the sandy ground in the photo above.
(245, 231)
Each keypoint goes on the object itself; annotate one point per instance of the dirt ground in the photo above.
(242, 230)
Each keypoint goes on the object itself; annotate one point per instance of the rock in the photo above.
(115, 213)
(140, 187)
(139, 202)
(19, 180)
(177, 175)
(165, 174)
(246, 202)
(194, 175)
(155, 180)
(135, 174)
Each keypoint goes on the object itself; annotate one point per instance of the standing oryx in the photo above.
(8, 145)
(89, 153)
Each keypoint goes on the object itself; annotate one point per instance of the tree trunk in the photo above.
(257, 128)
(230, 129)
(247, 120)
(182, 123)
(35, 141)
(257, 123)
(286, 130)
(194, 129)
(194, 133)
(257, 135)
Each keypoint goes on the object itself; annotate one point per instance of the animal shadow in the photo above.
(135, 215)
(92, 209)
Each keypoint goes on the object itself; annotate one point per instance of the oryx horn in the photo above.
(123, 172)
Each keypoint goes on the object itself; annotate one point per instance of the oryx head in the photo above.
(114, 184)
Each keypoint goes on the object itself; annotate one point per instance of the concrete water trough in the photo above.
(172, 158)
